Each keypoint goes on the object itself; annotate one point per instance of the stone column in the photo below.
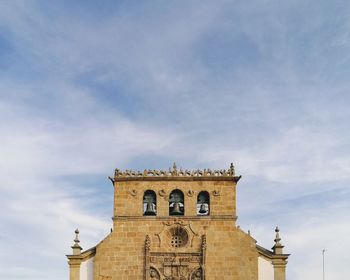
(279, 266)
(74, 269)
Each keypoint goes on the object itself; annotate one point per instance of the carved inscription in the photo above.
(177, 266)
(175, 260)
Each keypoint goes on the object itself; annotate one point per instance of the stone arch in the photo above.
(149, 203)
(176, 203)
(203, 204)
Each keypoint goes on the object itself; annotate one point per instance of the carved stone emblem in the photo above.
(154, 274)
(190, 193)
(175, 265)
(174, 231)
(162, 193)
(216, 193)
(197, 274)
(133, 192)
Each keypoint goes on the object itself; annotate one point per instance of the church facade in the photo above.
(177, 225)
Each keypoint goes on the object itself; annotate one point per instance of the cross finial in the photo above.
(278, 238)
(232, 169)
(76, 247)
(278, 247)
(76, 240)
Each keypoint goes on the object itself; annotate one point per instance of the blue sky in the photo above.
(89, 86)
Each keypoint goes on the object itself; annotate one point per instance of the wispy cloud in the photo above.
(86, 87)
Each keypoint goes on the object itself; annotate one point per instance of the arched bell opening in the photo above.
(176, 203)
(149, 203)
(203, 204)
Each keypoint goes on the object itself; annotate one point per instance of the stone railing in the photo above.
(174, 172)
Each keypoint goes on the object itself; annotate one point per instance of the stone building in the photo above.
(177, 225)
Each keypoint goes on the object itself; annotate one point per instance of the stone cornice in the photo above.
(204, 178)
(77, 259)
(176, 175)
(270, 255)
(167, 218)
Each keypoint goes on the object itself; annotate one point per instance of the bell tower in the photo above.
(174, 223)
(178, 225)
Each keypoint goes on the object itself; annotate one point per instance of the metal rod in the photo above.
(323, 251)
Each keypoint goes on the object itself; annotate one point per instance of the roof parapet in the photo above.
(175, 173)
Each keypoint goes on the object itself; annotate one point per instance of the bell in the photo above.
(176, 209)
(150, 209)
(202, 210)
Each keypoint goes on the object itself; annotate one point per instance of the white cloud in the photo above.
(36, 154)
(274, 118)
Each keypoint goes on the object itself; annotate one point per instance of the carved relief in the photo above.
(190, 193)
(154, 274)
(197, 274)
(216, 193)
(204, 242)
(133, 192)
(175, 265)
(172, 266)
(178, 236)
(177, 232)
(147, 243)
(162, 193)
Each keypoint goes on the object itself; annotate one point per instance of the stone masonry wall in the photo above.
(230, 252)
